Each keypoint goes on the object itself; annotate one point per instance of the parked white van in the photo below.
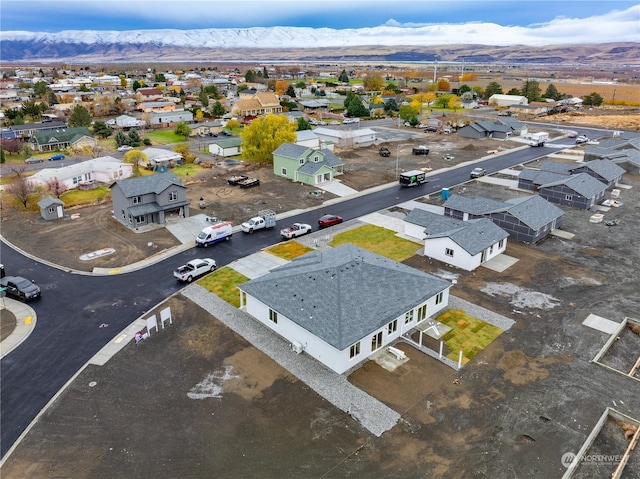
(212, 234)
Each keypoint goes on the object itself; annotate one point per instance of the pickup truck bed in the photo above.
(249, 182)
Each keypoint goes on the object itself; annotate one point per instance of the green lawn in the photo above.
(377, 240)
(84, 197)
(164, 137)
(468, 333)
(289, 250)
(188, 169)
(223, 284)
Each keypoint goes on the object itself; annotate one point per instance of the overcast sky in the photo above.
(604, 20)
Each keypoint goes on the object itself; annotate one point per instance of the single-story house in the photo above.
(149, 199)
(126, 121)
(27, 130)
(226, 147)
(501, 100)
(206, 129)
(485, 129)
(343, 305)
(262, 103)
(306, 165)
(293, 116)
(308, 138)
(314, 105)
(578, 191)
(52, 140)
(624, 151)
(51, 208)
(156, 106)
(602, 170)
(464, 244)
(347, 138)
(86, 174)
(161, 158)
(527, 219)
(167, 118)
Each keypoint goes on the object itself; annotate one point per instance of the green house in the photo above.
(306, 165)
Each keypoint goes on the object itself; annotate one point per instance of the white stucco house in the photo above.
(342, 305)
(501, 100)
(86, 174)
(226, 147)
(464, 244)
(308, 138)
(347, 138)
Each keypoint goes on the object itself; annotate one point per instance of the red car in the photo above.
(329, 220)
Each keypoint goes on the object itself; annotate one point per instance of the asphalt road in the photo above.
(79, 314)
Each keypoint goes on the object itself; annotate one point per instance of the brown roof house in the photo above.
(258, 104)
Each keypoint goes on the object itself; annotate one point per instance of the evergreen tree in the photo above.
(531, 89)
(291, 91)
(552, 92)
(136, 85)
(265, 74)
(343, 78)
(121, 139)
(79, 117)
(134, 138)
(217, 110)
(303, 124)
(493, 88)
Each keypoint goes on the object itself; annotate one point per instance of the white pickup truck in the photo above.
(265, 219)
(194, 268)
(295, 230)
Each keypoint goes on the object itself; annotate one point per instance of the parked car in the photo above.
(295, 230)
(431, 129)
(572, 134)
(329, 220)
(125, 148)
(58, 156)
(227, 133)
(194, 268)
(20, 288)
(581, 139)
(33, 159)
(384, 151)
(478, 172)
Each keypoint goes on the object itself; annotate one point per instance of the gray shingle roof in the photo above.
(556, 167)
(49, 201)
(143, 185)
(541, 177)
(345, 293)
(583, 183)
(604, 168)
(476, 206)
(297, 152)
(534, 211)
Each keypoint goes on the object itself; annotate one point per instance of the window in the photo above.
(302, 161)
(316, 159)
(376, 341)
(124, 216)
(408, 317)
(354, 350)
(139, 219)
(173, 196)
(422, 313)
(50, 209)
(439, 297)
(392, 327)
(273, 316)
(77, 179)
(137, 200)
(490, 249)
(501, 243)
(568, 197)
(283, 172)
(448, 252)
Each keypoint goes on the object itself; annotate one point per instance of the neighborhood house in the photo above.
(306, 165)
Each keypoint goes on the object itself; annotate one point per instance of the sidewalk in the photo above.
(25, 323)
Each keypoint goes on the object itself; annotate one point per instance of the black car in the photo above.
(20, 288)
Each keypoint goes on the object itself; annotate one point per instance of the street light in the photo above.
(398, 156)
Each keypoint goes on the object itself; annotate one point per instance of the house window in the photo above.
(392, 327)
(139, 219)
(316, 159)
(354, 350)
(283, 172)
(376, 341)
(490, 249)
(77, 179)
(408, 317)
(501, 244)
(448, 252)
(124, 216)
(173, 196)
(422, 313)
(439, 297)
(273, 316)
(568, 197)
(301, 161)
(50, 209)
(137, 200)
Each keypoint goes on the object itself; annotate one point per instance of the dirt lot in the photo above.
(528, 398)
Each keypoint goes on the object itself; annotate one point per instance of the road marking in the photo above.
(28, 320)
(114, 271)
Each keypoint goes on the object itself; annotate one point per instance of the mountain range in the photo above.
(384, 43)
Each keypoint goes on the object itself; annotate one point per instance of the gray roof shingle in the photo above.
(143, 185)
(583, 183)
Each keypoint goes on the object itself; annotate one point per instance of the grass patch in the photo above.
(85, 197)
(164, 137)
(468, 334)
(223, 284)
(289, 250)
(377, 240)
(187, 169)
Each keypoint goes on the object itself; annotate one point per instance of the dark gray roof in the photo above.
(476, 206)
(291, 150)
(604, 168)
(345, 293)
(49, 201)
(582, 183)
(143, 185)
(556, 167)
(473, 236)
(540, 177)
(534, 211)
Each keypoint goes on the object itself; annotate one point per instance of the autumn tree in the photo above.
(182, 129)
(185, 151)
(264, 135)
(443, 85)
(56, 188)
(468, 77)
(453, 102)
(409, 113)
(281, 87)
(373, 82)
(79, 117)
(136, 158)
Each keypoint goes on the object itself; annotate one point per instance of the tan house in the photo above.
(259, 104)
(149, 94)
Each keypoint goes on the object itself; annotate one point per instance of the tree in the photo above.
(373, 82)
(281, 87)
(454, 102)
(301, 84)
(33, 109)
(11, 145)
(303, 124)
(2, 158)
(391, 105)
(265, 74)
(41, 89)
(182, 129)
(185, 151)
(19, 188)
(443, 85)
(204, 98)
(493, 88)
(121, 139)
(56, 187)
(136, 158)
(468, 77)
(52, 99)
(531, 89)
(217, 110)
(160, 78)
(136, 85)
(409, 113)
(250, 76)
(357, 108)
(592, 99)
(264, 135)
(463, 89)
(291, 91)
(101, 129)
(552, 92)
(134, 138)
(514, 91)
(79, 117)
(343, 78)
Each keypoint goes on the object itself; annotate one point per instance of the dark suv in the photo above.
(20, 288)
